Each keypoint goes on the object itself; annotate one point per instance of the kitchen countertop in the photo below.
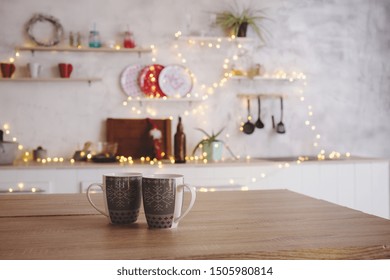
(66, 164)
(266, 224)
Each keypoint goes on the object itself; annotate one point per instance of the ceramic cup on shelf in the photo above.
(122, 197)
(163, 196)
(65, 69)
(34, 69)
(7, 69)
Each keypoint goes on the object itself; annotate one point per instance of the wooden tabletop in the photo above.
(266, 224)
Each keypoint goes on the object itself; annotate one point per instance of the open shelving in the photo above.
(219, 39)
(170, 100)
(262, 78)
(263, 95)
(66, 80)
(33, 49)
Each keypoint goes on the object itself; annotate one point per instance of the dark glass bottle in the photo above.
(180, 143)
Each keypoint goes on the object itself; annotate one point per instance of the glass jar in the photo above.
(94, 39)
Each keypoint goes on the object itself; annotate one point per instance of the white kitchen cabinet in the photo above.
(359, 184)
(372, 188)
(310, 180)
(328, 182)
(346, 184)
(363, 186)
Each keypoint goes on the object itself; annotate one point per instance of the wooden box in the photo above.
(132, 136)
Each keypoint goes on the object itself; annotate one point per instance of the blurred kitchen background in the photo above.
(336, 53)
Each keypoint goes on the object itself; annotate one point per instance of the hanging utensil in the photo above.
(280, 126)
(273, 122)
(259, 123)
(248, 127)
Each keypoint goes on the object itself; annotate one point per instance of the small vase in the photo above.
(242, 29)
(213, 150)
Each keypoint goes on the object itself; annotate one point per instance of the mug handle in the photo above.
(193, 197)
(90, 200)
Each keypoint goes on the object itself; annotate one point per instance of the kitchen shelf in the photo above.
(261, 78)
(264, 95)
(218, 39)
(84, 49)
(162, 100)
(67, 80)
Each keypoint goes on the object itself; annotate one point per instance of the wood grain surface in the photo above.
(267, 224)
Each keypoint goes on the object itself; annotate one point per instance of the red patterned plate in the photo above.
(148, 80)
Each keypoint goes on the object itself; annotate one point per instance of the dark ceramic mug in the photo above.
(7, 69)
(65, 69)
(162, 196)
(122, 197)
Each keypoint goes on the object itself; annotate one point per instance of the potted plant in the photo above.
(236, 21)
(211, 146)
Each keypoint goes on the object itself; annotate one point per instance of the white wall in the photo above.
(341, 46)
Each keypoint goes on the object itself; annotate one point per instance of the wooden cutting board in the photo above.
(132, 136)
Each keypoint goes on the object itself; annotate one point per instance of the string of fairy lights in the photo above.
(201, 110)
(228, 72)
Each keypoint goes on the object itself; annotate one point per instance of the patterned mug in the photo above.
(163, 199)
(122, 197)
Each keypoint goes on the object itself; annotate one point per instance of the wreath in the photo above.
(57, 34)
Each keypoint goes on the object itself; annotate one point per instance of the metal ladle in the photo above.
(248, 127)
(280, 126)
(259, 123)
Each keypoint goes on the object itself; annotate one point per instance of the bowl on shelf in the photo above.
(105, 152)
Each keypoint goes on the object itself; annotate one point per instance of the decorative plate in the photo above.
(175, 81)
(129, 80)
(148, 80)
